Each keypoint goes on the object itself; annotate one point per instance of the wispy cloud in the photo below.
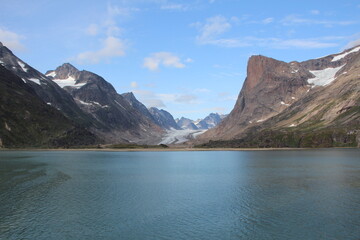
(315, 12)
(149, 98)
(112, 47)
(179, 98)
(108, 32)
(212, 29)
(174, 7)
(297, 19)
(353, 43)
(134, 85)
(11, 40)
(268, 20)
(167, 59)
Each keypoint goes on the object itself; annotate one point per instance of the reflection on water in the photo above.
(180, 195)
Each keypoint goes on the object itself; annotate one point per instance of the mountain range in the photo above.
(315, 103)
(84, 103)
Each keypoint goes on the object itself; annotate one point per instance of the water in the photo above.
(180, 195)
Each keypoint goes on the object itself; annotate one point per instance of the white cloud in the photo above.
(134, 84)
(210, 33)
(11, 40)
(166, 59)
(178, 98)
(268, 20)
(112, 47)
(149, 98)
(296, 20)
(301, 43)
(177, 7)
(189, 60)
(108, 32)
(213, 27)
(353, 43)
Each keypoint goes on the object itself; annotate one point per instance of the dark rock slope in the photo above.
(27, 121)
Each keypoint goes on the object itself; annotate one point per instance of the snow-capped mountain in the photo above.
(27, 121)
(212, 120)
(116, 119)
(163, 118)
(298, 104)
(186, 123)
(46, 89)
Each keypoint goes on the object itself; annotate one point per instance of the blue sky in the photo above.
(187, 57)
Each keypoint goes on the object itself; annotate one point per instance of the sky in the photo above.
(186, 57)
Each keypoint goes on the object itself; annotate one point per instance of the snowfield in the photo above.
(341, 56)
(324, 77)
(174, 136)
(69, 82)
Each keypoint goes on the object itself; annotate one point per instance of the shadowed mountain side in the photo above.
(26, 121)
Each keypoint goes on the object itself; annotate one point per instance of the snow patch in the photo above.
(84, 103)
(48, 103)
(22, 65)
(180, 136)
(282, 103)
(292, 98)
(324, 77)
(292, 125)
(341, 56)
(92, 103)
(23, 80)
(35, 80)
(69, 82)
(51, 74)
(294, 70)
(260, 120)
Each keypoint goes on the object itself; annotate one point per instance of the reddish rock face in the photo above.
(277, 94)
(270, 87)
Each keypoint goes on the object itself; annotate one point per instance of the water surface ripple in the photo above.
(180, 195)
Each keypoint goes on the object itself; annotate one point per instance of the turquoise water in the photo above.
(180, 195)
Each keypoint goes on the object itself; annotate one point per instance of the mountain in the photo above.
(210, 121)
(116, 119)
(163, 118)
(131, 99)
(46, 89)
(27, 121)
(186, 123)
(315, 103)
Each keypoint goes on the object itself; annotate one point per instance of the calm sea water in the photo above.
(180, 195)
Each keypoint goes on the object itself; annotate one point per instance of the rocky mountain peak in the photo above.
(63, 71)
(129, 96)
(1, 45)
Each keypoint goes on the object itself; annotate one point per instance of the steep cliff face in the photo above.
(270, 87)
(300, 99)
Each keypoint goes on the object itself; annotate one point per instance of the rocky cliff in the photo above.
(293, 104)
